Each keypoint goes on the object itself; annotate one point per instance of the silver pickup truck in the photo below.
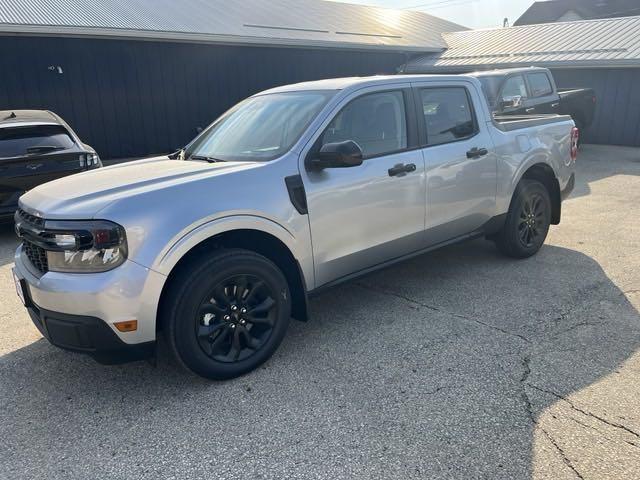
(291, 191)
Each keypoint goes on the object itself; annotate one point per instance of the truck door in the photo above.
(544, 98)
(363, 216)
(459, 159)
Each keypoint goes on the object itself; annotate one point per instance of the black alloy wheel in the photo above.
(528, 220)
(226, 312)
(236, 318)
(532, 218)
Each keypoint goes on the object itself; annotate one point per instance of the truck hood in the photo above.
(82, 196)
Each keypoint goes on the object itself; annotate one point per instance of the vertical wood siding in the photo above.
(135, 98)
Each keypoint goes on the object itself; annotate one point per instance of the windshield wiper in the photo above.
(205, 158)
(44, 149)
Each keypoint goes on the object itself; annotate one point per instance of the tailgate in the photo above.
(27, 172)
(31, 155)
(20, 175)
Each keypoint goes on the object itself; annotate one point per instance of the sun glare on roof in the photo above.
(389, 18)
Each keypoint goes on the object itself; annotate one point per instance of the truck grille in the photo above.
(36, 255)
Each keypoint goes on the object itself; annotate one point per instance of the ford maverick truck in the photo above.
(293, 190)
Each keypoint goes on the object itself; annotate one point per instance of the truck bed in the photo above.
(569, 91)
(509, 123)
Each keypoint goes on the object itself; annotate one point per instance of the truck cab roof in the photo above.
(506, 71)
(356, 82)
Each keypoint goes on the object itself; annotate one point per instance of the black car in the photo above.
(532, 91)
(37, 146)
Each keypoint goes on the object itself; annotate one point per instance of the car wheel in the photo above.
(528, 221)
(227, 313)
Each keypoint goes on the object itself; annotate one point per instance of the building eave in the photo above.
(184, 37)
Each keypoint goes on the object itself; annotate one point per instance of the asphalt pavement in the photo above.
(458, 364)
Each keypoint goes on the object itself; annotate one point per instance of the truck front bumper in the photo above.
(79, 311)
(88, 335)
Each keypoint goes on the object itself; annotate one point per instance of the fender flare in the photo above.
(553, 188)
(183, 243)
(524, 167)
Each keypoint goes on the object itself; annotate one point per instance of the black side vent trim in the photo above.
(297, 195)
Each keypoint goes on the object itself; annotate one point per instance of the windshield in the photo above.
(259, 129)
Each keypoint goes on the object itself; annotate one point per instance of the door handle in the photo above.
(555, 105)
(529, 110)
(401, 169)
(476, 152)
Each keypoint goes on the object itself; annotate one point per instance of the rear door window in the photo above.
(33, 140)
(539, 84)
(448, 115)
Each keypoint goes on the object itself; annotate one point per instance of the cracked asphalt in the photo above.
(458, 364)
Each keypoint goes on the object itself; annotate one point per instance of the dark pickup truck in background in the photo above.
(532, 91)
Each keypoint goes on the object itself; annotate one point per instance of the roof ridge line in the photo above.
(573, 22)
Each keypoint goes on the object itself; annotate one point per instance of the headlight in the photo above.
(84, 246)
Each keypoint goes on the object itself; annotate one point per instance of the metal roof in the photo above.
(547, 12)
(590, 43)
(314, 23)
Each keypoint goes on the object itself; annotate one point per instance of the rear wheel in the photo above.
(528, 221)
(228, 315)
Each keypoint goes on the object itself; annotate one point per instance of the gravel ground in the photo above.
(458, 364)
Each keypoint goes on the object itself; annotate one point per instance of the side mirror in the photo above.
(510, 102)
(337, 155)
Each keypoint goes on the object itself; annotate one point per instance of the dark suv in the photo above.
(37, 146)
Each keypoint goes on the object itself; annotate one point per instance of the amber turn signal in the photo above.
(128, 326)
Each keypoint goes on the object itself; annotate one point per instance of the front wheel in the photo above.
(528, 221)
(227, 313)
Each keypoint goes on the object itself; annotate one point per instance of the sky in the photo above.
(470, 13)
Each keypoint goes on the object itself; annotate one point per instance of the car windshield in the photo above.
(260, 128)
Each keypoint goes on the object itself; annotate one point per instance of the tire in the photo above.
(226, 313)
(528, 221)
